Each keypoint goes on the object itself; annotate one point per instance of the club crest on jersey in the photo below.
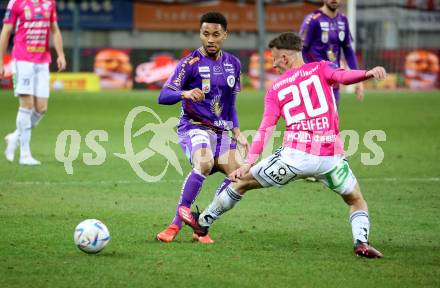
(206, 85)
(324, 36)
(230, 80)
(341, 35)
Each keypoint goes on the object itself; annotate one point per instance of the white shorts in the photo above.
(288, 164)
(31, 78)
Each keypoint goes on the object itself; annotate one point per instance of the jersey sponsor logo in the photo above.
(331, 55)
(228, 65)
(231, 80)
(324, 25)
(36, 49)
(217, 70)
(230, 70)
(37, 24)
(207, 75)
(279, 172)
(206, 85)
(324, 36)
(178, 81)
(204, 69)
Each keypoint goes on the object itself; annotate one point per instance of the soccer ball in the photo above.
(91, 236)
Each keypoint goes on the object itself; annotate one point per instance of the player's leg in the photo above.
(360, 223)
(22, 74)
(223, 201)
(40, 108)
(341, 179)
(271, 171)
(197, 146)
(24, 88)
(41, 94)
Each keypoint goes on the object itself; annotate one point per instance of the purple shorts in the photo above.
(194, 137)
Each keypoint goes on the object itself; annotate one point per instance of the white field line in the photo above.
(179, 181)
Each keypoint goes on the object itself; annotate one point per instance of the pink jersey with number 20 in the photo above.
(304, 98)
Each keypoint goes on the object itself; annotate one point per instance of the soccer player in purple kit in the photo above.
(206, 82)
(325, 32)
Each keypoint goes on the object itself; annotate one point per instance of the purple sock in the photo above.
(222, 187)
(190, 189)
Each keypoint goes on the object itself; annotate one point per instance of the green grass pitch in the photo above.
(297, 236)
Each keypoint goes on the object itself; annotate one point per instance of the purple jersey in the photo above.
(218, 79)
(324, 37)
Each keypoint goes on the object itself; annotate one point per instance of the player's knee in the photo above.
(26, 102)
(205, 167)
(354, 197)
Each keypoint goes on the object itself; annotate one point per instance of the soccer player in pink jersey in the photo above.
(32, 22)
(312, 145)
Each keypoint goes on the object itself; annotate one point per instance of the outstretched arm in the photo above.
(353, 76)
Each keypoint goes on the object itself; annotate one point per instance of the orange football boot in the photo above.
(202, 239)
(168, 234)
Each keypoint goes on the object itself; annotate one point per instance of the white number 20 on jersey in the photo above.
(304, 96)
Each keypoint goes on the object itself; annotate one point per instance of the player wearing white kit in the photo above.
(33, 20)
(312, 145)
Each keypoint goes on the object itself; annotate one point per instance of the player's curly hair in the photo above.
(288, 41)
(214, 17)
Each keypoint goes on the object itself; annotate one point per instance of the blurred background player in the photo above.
(312, 145)
(325, 33)
(33, 22)
(206, 82)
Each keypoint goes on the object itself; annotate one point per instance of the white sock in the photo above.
(15, 134)
(35, 118)
(221, 203)
(360, 225)
(24, 129)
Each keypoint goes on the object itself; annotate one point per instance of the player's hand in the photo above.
(2, 71)
(195, 94)
(377, 73)
(242, 142)
(61, 63)
(360, 91)
(240, 172)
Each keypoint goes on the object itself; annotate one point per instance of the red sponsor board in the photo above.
(241, 16)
